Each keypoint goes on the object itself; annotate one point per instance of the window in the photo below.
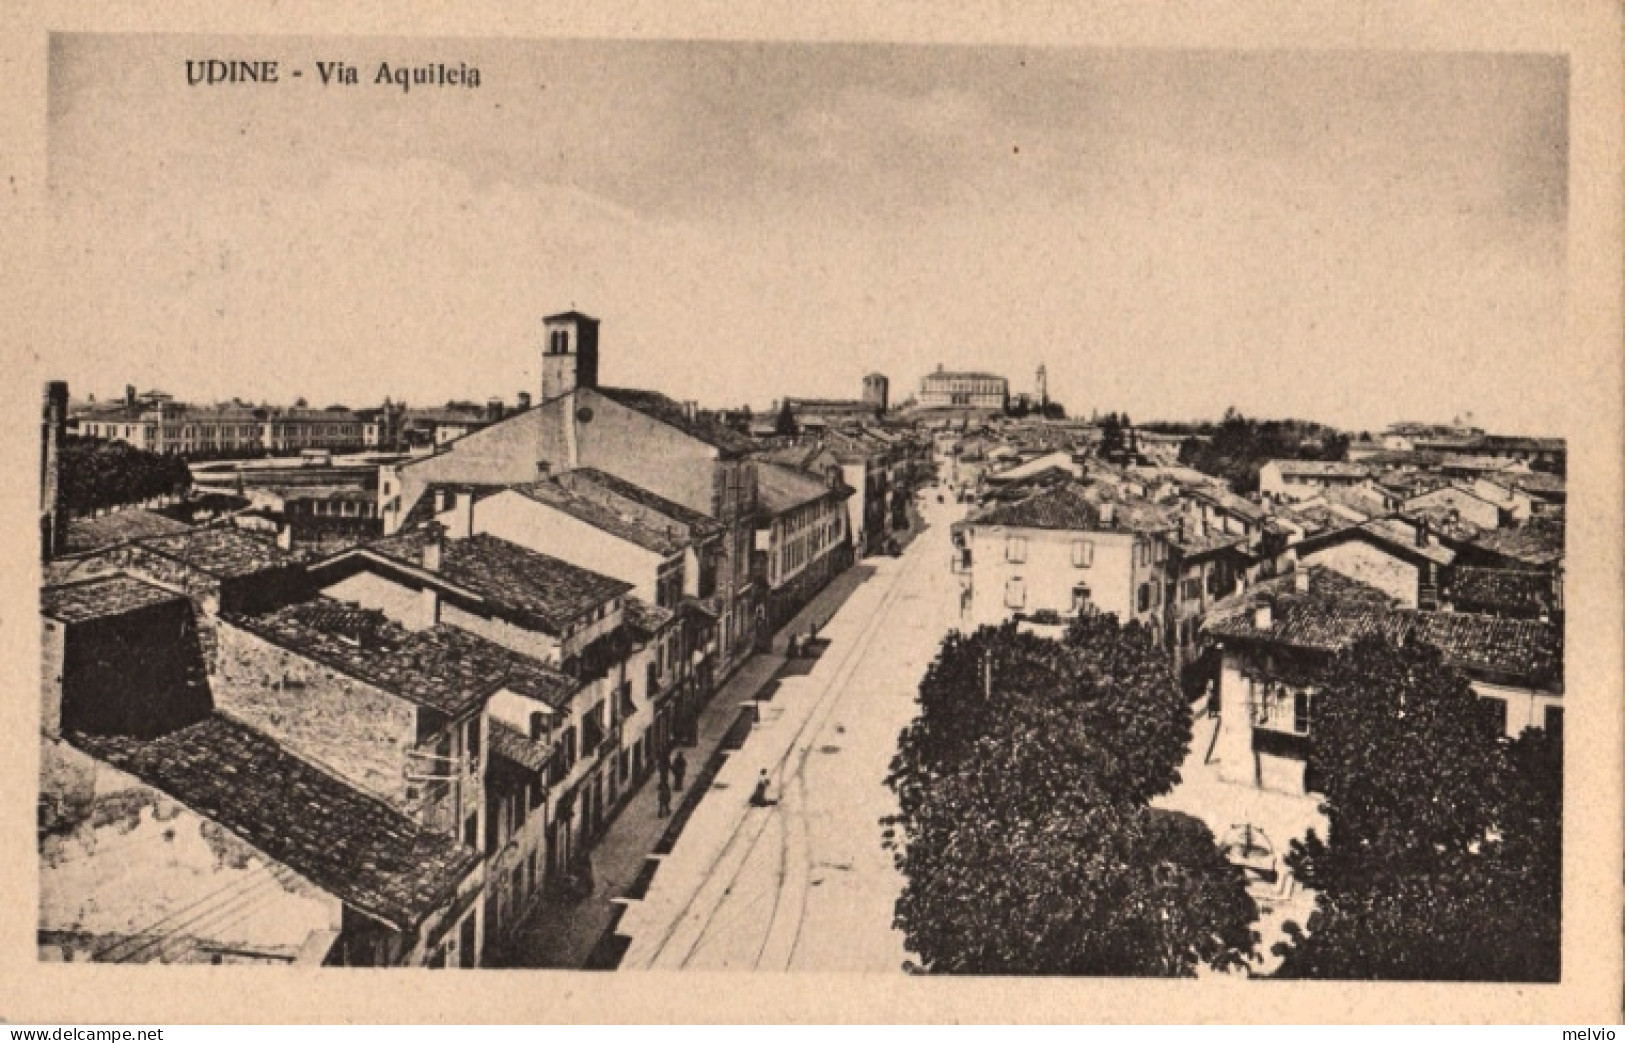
(1301, 704)
(538, 726)
(1192, 589)
(1083, 553)
(1080, 599)
(1145, 596)
(1015, 549)
(472, 744)
(560, 342)
(1015, 592)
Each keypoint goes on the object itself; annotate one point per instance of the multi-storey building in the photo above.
(641, 438)
(947, 389)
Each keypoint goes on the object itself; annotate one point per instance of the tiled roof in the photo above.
(101, 597)
(702, 525)
(1334, 612)
(670, 412)
(1395, 535)
(511, 743)
(963, 374)
(1536, 542)
(1226, 500)
(1525, 649)
(780, 489)
(1539, 483)
(1337, 611)
(443, 668)
(646, 619)
(603, 517)
(1324, 468)
(1075, 507)
(86, 535)
(545, 593)
(350, 845)
(1519, 590)
(225, 553)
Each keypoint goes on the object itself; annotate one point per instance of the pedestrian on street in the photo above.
(665, 765)
(679, 768)
(758, 797)
(663, 795)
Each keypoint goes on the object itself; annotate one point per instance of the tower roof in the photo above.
(563, 315)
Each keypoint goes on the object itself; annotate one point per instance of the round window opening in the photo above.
(584, 414)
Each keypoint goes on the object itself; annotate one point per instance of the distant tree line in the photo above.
(97, 474)
(1238, 446)
(1024, 833)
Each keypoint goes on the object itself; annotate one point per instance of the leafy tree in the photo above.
(1239, 446)
(1024, 832)
(97, 474)
(1444, 858)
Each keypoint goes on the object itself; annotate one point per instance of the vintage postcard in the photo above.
(1004, 521)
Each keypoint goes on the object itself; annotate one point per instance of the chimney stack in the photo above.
(493, 409)
(1423, 537)
(524, 401)
(1261, 617)
(53, 430)
(434, 535)
(129, 396)
(691, 409)
(462, 517)
(1300, 580)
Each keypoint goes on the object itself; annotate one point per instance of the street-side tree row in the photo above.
(1024, 833)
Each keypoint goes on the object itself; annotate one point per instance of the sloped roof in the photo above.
(444, 668)
(1337, 611)
(225, 553)
(603, 517)
(671, 412)
(509, 742)
(1536, 542)
(780, 488)
(645, 619)
(701, 525)
(546, 593)
(1518, 590)
(1074, 507)
(101, 597)
(349, 844)
(87, 535)
(1322, 468)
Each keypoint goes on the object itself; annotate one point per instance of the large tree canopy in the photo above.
(109, 474)
(1239, 446)
(1444, 855)
(1024, 832)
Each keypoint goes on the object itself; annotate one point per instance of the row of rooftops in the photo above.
(1321, 610)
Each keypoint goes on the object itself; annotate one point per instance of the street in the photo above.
(805, 883)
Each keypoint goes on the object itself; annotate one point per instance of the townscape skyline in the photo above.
(1171, 233)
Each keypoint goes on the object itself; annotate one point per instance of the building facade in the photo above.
(946, 389)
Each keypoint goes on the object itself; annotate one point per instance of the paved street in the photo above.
(806, 884)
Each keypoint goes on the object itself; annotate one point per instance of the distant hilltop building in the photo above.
(946, 389)
(876, 390)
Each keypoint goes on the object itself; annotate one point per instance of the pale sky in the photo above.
(1350, 237)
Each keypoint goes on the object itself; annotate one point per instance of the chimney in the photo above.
(442, 500)
(493, 409)
(1300, 580)
(462, 517)
(429, 607)
(832, 476)
(691, 409)
(1261, 617)
(434, 535)
(284, 535)
(53, 430)
(1423, 536)
(129, 396)
(524, 401)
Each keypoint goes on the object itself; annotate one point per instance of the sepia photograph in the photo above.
(901, 510)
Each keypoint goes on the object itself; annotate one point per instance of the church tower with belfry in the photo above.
(569, 353)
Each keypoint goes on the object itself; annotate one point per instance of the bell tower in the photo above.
(569, 353)
(1043, 387)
